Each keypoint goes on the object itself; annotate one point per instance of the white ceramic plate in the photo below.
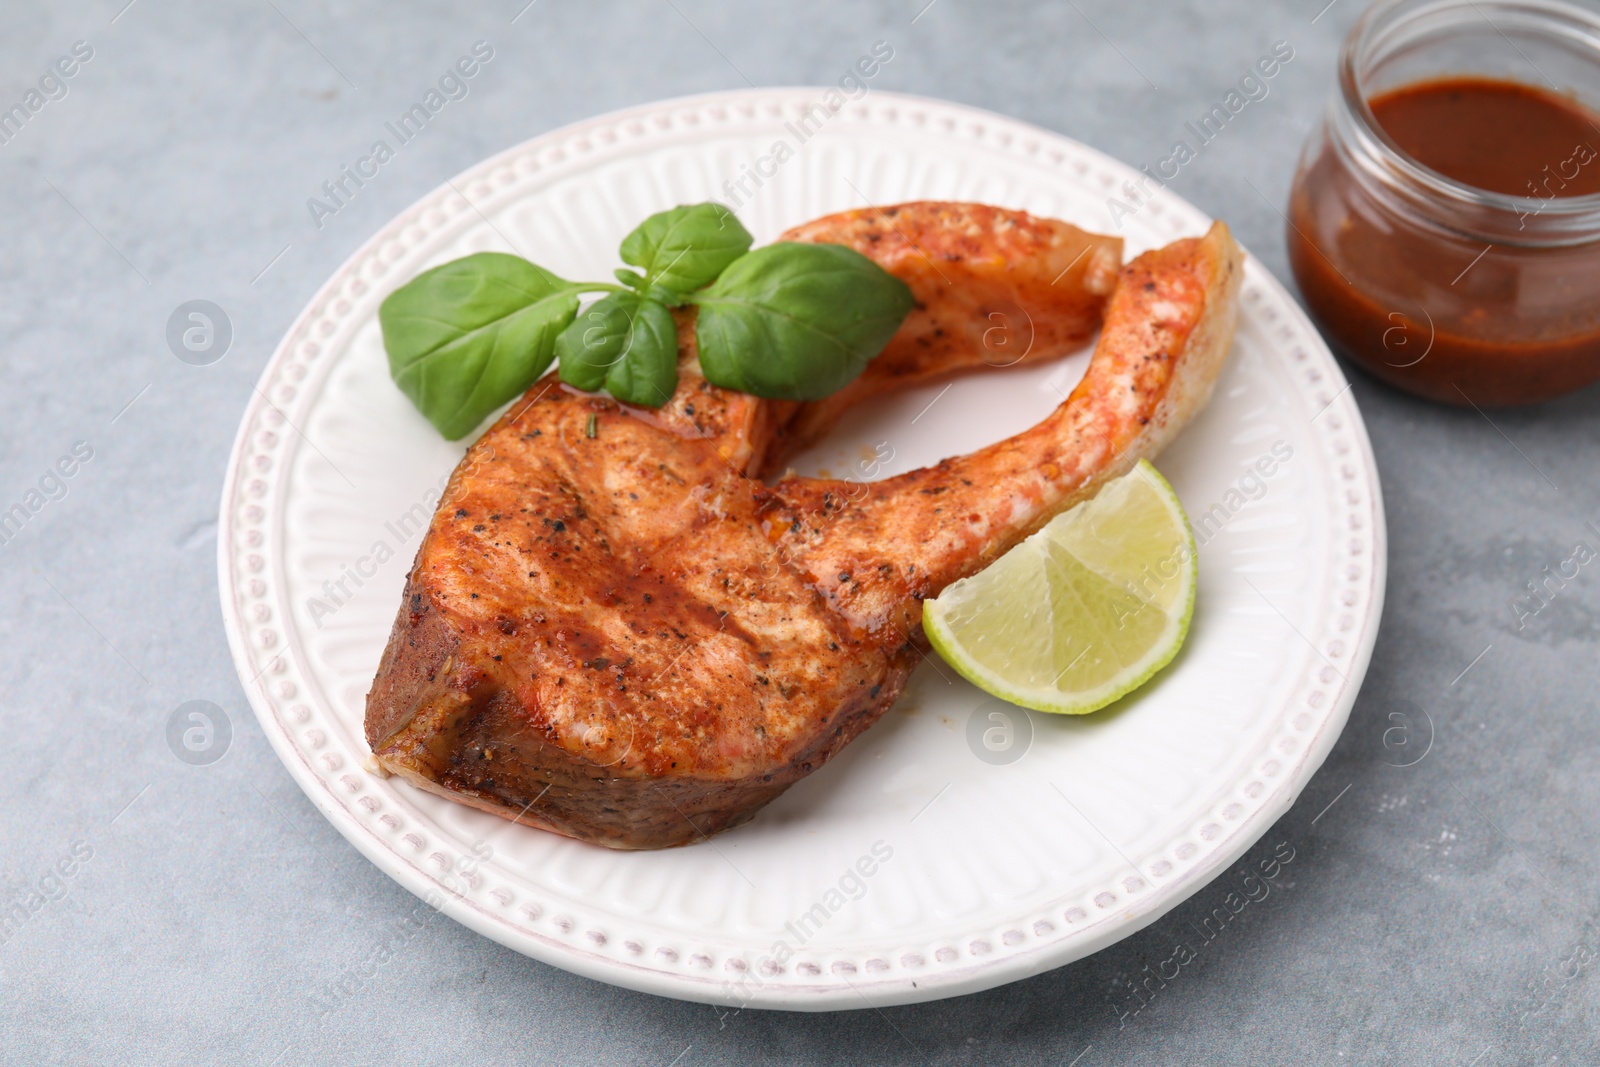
(981, 873)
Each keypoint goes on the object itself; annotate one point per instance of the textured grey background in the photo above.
(1439, 913)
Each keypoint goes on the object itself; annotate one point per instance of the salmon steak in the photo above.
(619, 629)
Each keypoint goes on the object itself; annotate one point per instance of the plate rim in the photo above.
(823, 993)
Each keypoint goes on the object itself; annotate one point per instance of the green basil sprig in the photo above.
(789, 321)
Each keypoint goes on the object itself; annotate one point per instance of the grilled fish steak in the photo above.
(613, 632)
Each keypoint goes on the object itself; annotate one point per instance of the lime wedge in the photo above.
(1084, 611)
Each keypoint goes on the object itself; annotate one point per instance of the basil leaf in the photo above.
(647, 373)
(626, 343)
(467, 336)
(796, 321)
(595, 340)
(686, 247)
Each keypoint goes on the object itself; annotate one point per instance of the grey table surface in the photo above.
(1440, 912)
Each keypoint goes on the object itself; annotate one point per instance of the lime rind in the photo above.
(1083, 612)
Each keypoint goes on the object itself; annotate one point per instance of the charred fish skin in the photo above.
(627, 640)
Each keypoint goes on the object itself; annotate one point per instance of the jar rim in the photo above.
(1380, 24)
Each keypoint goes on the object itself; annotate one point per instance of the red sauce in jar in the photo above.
(1435, 309)
(1490, 134)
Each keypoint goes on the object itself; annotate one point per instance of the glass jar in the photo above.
(1452, 292)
